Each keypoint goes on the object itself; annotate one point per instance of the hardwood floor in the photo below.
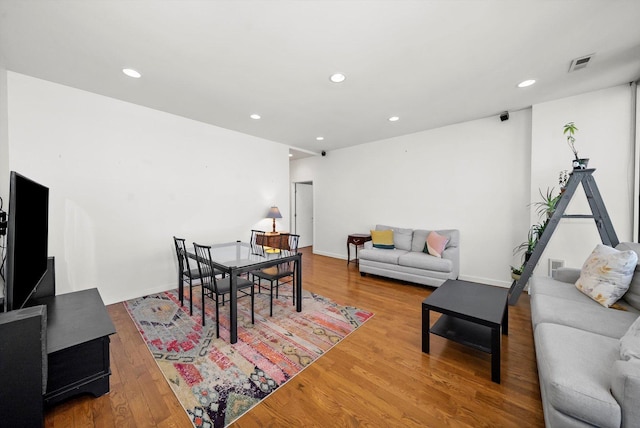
(376, 377)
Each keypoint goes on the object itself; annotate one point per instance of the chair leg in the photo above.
(190, 297)
(217, 317)
(202, 289)
(253, 321)
(271, 301)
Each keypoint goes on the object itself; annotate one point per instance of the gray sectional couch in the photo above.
(583, 380)
(407, 261)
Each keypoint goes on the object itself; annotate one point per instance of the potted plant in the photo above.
(516, 272)
(569, 130)
(527, 246)
(548, 204)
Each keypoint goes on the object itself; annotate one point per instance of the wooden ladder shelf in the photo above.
(598, 214)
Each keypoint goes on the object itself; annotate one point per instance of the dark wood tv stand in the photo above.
(73, 359)
(78, 329)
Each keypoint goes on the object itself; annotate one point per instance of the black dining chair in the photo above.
(257, 242)
(186, 275)
(277, 275)
(214, 287)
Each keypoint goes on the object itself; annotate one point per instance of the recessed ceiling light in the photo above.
(337, 78)
(255, 116)
(290, 155)
(131, 73)
(526, 83)
(319, 138)
(394, 119)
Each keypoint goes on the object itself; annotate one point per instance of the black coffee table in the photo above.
(472, 314)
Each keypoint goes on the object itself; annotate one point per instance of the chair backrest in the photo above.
(181, 251)
(205, 266)
(288, 244)
(257, 242)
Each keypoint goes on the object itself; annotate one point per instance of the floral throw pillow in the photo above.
(606, 274)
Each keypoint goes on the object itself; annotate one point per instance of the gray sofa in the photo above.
(407, 261)
(583, 380)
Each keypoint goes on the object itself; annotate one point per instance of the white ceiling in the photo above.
(432, 62)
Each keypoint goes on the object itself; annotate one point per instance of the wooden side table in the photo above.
(357, 240)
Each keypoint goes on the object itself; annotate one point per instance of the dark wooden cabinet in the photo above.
(78, 329)
(54, 349)
(22, 360)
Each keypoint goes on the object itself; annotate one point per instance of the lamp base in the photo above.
(274, 226)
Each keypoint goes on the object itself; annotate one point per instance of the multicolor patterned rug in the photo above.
(217, 382)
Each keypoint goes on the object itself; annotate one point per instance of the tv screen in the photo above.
(27, 238)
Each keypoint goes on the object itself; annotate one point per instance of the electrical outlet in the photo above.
(553, 265)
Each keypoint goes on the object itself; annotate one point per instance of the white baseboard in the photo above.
(487, 281)
(335, 256)
(139, 293)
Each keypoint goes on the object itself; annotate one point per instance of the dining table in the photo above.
(237, 258)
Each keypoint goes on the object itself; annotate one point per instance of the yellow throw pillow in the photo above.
(382, 239)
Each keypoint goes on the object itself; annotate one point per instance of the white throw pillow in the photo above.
(630, 342)
(606, 274)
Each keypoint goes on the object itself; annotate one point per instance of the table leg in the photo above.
(233, 307)
(298, 284)
(495, 354)
(348, 253)
(425, 329)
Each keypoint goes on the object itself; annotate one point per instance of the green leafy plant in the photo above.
(527, 246)
(548, 203)
(569, 130)
(517, 270)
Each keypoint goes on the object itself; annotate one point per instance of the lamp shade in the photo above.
(274, 212)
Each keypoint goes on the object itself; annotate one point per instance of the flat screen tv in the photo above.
(27, 238)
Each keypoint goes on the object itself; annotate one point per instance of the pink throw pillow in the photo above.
(436, 243)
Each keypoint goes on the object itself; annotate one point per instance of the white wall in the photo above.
(472, 176)
(604, 121)
(124, 179)
(481, 177)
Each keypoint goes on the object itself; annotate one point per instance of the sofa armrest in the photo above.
(453, 254)
(625, 387)
(568, 275)
(368, 245)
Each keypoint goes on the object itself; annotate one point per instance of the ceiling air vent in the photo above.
(580, 63)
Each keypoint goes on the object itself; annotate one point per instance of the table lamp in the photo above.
(274, 213)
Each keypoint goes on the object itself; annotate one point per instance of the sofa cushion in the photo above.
(632, 296)
(575, 368)
(382, 239)
(586, 315)
(606, 274)
(425, 261)
(381, 255)
(630, 342)
(435, 244)
(625, 387)
(401, 237)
